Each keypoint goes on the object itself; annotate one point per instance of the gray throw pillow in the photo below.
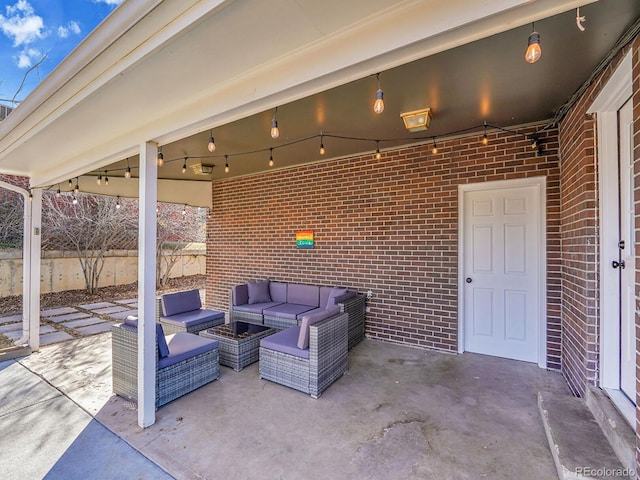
(259, 291)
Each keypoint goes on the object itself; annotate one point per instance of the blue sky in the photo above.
(33, 29)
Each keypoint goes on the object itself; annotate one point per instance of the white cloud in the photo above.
(28, 57)
(21, 23)
(72, 27)
(109, 2)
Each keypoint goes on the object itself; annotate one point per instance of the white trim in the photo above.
(613, 96)
(541, 183)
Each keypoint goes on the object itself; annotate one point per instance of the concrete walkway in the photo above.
(399, 413)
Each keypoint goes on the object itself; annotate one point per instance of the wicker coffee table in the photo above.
(238, 351)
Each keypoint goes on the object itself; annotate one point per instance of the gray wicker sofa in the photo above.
(281, 305)
(308, 357)
(185, 362)
(183, 312)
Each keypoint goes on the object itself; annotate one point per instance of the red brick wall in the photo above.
(389, 226)
(580, 240)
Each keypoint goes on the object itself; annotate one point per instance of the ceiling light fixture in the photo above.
(211, 146)
(226, 164)
(271, 162)
(378, 105)
(127, 172)
(534, 52)
(201, 169)
(275, 131)
(417, 120)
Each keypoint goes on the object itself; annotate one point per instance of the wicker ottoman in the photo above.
(237, 351)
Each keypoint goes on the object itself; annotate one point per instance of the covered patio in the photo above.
(392, 210)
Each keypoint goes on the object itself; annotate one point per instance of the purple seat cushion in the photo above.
(308, 320)
(240, 294)
(255, 308)
(183, 345)
(286, 310)
(285, 342)
(195, 317)
(259, 291)
(163, 348)
(174, 303)
(324, 296)
(309, 312)
(303, 294)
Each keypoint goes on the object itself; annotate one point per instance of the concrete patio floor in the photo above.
(399, 413)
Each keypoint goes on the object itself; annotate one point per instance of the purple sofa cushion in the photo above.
(240, 294)
(285, 342)
(324, 296)
(335, 292)
(278, 291)
(183, 345)
(195, 317)
(163, 348)
(255, 308)
(179, 302)
(303, 294)
(308, 320)
(259, 291)
(286, 310)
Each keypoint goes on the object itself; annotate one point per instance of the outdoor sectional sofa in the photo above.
(281, 305)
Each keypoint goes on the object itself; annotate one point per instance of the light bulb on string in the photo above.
(58, 193)
(434, 149)
(226, 164)
(127, 172)
(378, 105)
(160, 159)
(106, 178)
(184, 209)
(485, 139)
(378, 154)
(534, 52)
(184, 165)
(275, 131)
(211, 146)
(75, 200)
(99, 179)
(322, 149)
(271, 162)
(76, 189)
(118, 203)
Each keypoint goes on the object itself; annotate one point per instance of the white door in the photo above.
(625, 264)
(501, 268)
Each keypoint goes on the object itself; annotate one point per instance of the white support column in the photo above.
(148, 194)
(33, 255)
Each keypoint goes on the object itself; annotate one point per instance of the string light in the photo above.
(75, 200)
(160, 158)
(275, 131)
(184, 165)
(434, 150)
(118, 202)
(322, 150)
(70, 183)
(378, 105)
(106, 178)
(76, 189)
(211, 146)
(184, 209)
(99, 179)
(58, 193)
(485, 139)
(271, 162)
(30, 195)
(226, 165)
(378, 155)
(534, 52)
(127, 172)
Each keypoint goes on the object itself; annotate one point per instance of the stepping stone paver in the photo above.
(54, 338)
(11, 318)
(97, 328)
(128, 301)
(71, 316)
(83, 323)
(52, 312)
(93, 306)
(47, 329)
(10, 327)
(111, 309)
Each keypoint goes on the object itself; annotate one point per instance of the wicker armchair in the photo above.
(193, 363)
(326, 362)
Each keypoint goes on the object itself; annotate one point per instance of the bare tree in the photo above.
(11, 213)
(177, 227)
(91, 227)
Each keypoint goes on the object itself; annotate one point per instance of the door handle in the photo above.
(620, 264)
(468, 280)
